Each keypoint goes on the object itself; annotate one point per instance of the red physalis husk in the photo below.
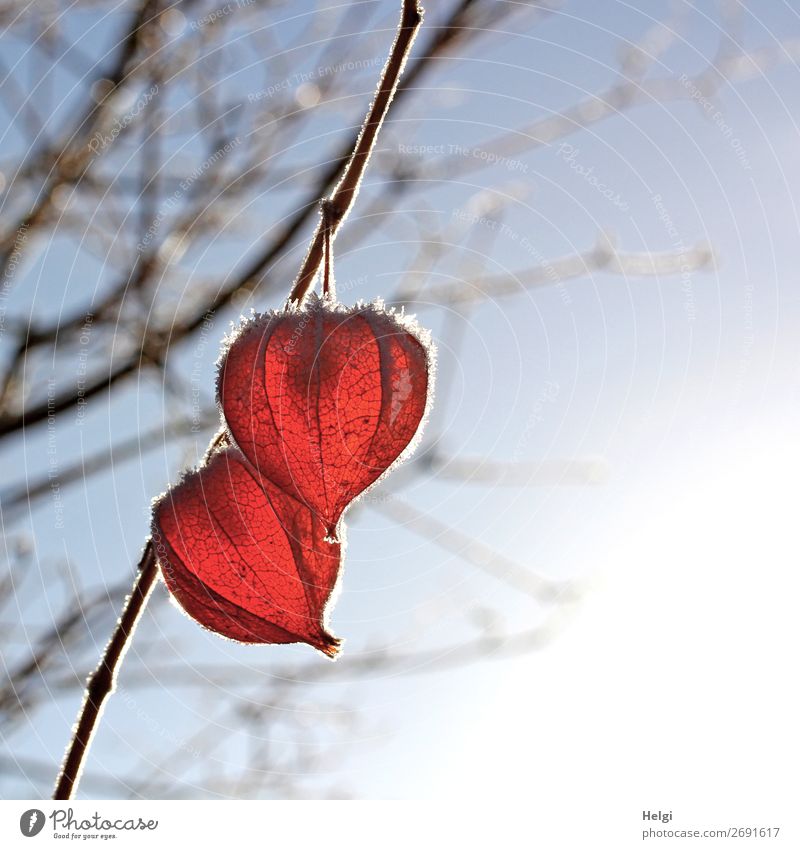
(245, 559)
(324, 399)
(320, 402)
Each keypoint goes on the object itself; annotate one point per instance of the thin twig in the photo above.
(343, 196)
(328, 219)
(101, 683)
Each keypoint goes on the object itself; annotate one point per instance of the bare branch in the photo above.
(344, 195)
(102, 681)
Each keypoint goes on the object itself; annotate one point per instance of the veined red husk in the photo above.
(324, 399)
(243, 558)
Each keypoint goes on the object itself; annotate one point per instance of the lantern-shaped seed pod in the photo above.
(245, 559)
(323, 399)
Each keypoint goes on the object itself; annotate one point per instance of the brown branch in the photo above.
(343, 196)
(102, 681)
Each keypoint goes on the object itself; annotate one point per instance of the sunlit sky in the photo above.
(687, 390)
